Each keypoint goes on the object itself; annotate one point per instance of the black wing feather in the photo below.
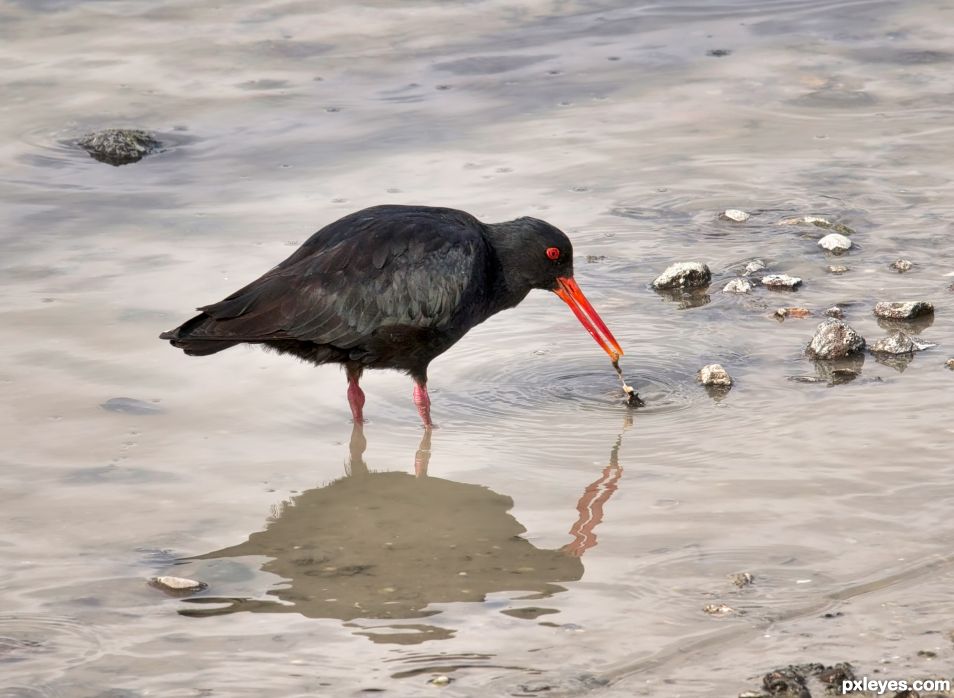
(383, 266)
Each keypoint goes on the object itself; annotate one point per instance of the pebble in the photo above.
(683, 275)
(440, 680)
(835, 242)
(119, 146)
(950, 364)
(899, 343)
(742, 579)
(177, 584)
(781, 281)
(903, 311)
(734, 214)
(783, 313)
(738, 286)
(901, 265)
(837, 268)
(818, 221)
(754, 266)
(718, 609)
(835, 312)
(715, 375)
(834, 339)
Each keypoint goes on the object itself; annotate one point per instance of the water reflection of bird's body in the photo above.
(393, 287)
(387, 545)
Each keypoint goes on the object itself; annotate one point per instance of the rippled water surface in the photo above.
(545, 540)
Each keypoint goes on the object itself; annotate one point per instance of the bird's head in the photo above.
(541, 255)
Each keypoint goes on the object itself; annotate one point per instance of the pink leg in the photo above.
(356, 399)
(423, 402)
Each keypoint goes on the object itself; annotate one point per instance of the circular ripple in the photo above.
(36, 644)
(542, 385)
(59, 148)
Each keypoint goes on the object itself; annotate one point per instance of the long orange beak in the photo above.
(571, 294)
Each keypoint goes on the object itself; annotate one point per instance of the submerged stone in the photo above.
(742, 579)
(835, 242)
(903, 311)
(835, 312)
(119, 146)
(177, 584)
(781, 282)
(837, 268)
(719, 609)
(714, 375)
(819, 222)
(834, 339)
(900, 343)
(683, 275)
(738, 286)
(754, 266)
(901, 265)
(783, 313)
(734, 214)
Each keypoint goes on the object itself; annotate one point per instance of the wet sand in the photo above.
(590, 537)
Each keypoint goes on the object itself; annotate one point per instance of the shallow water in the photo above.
(559, 543)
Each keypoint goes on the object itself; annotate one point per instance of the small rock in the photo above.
(781, 282)
(734, 214)
(714, 375)
(683, 275)
(177, 584)
(950, 364)
(738, 286)
(901, 265)
(835, 312)
(835, 242)
(834, 676)
(718, 609)
(837, 268)
(783, 313)
(903, 311)
(754, 266)
(834, 339)
(815, 220)
(742, 579)
(930, 654)
(899, 343)
(594, 258)
(119, 146)
(819, 222)
(441, 680)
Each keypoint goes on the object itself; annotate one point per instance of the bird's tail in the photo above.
(196, 337)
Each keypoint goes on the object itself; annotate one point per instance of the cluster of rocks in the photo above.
(797, 680)
(834, 340)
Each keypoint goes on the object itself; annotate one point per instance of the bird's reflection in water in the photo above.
(389, 545)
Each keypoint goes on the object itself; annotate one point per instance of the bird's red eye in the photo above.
(553, 253)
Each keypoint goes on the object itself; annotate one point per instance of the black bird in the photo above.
(393, 287)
